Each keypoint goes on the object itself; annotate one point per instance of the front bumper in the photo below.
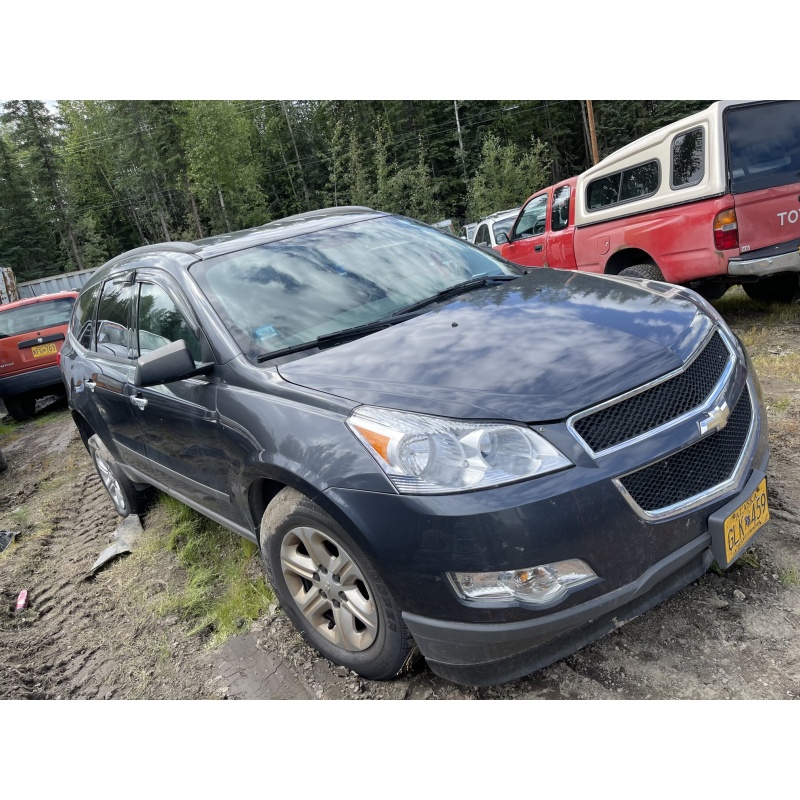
(482, 655)
(415, 541)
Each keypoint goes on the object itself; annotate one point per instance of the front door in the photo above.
(528, 240)
(179, 419)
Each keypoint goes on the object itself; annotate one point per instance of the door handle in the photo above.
(139, 402)
(538, 248)
(89, 384)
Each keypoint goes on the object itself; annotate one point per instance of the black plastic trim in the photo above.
(53, 337)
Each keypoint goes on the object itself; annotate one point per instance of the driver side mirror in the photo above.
(169, 363)
(502, 238)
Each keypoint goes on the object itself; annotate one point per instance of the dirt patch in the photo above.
(728, 635)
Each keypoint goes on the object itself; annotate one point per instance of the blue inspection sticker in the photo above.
(264, 332)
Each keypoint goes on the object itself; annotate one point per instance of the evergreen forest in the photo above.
(82, 181)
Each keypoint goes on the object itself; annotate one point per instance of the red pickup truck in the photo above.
(708, 201)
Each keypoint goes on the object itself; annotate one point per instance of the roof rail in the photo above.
(171, 247)
(329, 210)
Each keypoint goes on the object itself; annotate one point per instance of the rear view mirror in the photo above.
(502, 238)
(167, 364)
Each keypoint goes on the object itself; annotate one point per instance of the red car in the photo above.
(31, 334)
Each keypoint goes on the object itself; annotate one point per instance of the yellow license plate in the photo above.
(740, 526)
(40, 350)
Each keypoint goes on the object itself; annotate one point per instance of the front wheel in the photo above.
(331, 591)
(126, 498)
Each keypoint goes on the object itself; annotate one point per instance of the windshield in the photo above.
(289, 292)
(36, 316)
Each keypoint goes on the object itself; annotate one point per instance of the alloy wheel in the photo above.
(110, 482)
(329, 588)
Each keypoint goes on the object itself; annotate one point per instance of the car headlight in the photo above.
(433, 455)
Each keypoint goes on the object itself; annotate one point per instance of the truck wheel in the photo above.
(712, 290)
(780, 288)
(649, 271)
(21, 407)
(331, 591)
(126, 498)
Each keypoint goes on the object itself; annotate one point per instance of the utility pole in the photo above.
(460, 141)
(592, 131)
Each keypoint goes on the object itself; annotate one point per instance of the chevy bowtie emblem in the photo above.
(716, 419)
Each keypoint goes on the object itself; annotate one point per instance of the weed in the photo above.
(786, 366)
(782, 403)
(20, 516)
(4, 429)
(749, 559)
(789, 576)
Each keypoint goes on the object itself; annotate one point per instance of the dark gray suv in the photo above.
(435, 449)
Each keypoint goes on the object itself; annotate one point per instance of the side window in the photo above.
(82, 325)
(639, 181)
(532, 221)
(688, 164)
(482, 235)
(620, 187)
(114, 336)
(559, 216)
(160, 322)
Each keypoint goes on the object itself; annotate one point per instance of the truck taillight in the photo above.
(726, 231)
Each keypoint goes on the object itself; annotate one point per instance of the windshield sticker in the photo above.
(265, 332)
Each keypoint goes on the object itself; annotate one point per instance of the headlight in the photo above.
(435, 455)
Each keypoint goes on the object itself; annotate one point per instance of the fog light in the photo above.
(541, 584)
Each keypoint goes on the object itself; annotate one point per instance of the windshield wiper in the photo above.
(453, 291)
(338, 336)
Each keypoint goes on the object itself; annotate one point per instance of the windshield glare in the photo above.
(290, 292)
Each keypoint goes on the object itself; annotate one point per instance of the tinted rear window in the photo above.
(24, 319)
(763, 145)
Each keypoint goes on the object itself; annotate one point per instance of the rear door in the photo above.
(528, 239)
(763, 152)
(109, 368)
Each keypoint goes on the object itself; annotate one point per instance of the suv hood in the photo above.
(532, 350)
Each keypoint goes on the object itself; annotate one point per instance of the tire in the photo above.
(649, 271)
(124, 495)
(331, 591)
(21, 406)
(3, 462)
(779, 288)
(713, 290)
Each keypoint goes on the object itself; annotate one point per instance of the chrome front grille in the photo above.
(642, 411)
(694, 471)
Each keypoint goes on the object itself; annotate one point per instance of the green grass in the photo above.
(4, 429)
(782, 404)
(789, 576)
(20, 517)
(218, 596)
(737, 308)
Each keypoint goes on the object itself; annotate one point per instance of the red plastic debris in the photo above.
(22, 600)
